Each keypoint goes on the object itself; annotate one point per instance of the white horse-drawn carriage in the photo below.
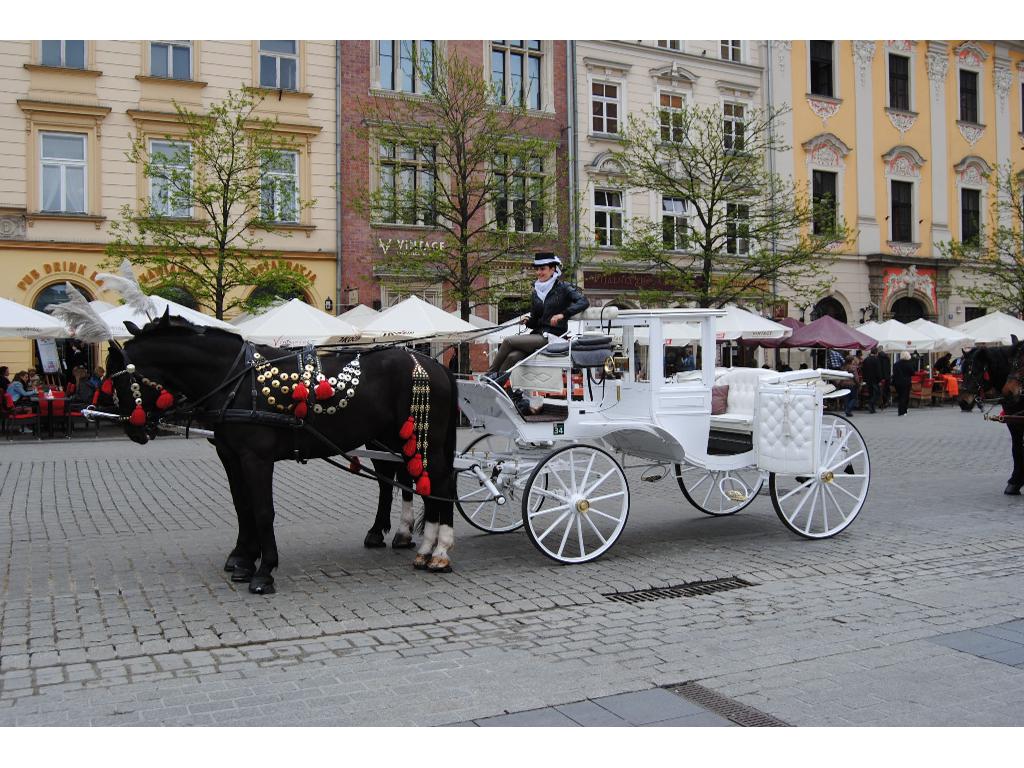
(598, 401)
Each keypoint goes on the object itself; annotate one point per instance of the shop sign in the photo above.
(292, 266)
(402, 245)
(56, 267)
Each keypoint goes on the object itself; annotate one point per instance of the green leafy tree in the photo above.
(732, 230)
(465, 167)
(215, 183)
(991, 260)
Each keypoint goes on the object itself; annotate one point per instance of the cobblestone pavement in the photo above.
(115, 609)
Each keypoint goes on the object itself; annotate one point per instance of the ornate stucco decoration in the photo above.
(900, 46)
(973, 171)
(906, 250)
(971, 132)
(970, 55)
(903, 162)
(1003, 81)
(823, 106)
(909, 280)
(783, 49)
(826, 150)
(938, 67)
(604, 164)
(674, 74)
(863, 53)
(12, 227)
(901, 121)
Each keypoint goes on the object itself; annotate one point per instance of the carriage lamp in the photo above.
(328, 305)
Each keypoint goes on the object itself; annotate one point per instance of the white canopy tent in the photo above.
(735, 324)
(116, 318)
(412, 319)
(894, 336)
(21, 322)
(359, 315)
(992, 329)
(294, 324)
(946, 339)
(102, 306)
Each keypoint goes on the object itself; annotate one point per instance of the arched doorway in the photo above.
(829, 306)
(907, 309)
(70, 352)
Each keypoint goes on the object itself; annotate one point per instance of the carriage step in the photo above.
(738, 712)
(690, 589)
(548, 413)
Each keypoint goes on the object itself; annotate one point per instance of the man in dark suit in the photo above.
(871, 371)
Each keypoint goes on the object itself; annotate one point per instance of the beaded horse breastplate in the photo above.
(296, 391)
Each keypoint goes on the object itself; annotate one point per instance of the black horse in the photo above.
(266, 404)
(994, 373)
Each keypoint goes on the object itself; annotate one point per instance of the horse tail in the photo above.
(453, 420)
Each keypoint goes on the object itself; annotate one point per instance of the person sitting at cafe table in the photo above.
(944, 364)
(19, 388)
(5, 380)
(83, 388)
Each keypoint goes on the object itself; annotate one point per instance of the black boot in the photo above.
(1012, 489)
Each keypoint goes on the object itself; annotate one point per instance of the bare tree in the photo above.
(731, 229)
(215, 183)
(991, 257)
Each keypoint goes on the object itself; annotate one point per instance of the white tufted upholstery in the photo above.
(743, 384)
(787, 431)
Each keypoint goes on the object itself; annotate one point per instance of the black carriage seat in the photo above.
(588, 350)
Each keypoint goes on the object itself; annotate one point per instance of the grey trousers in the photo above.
(516, 348)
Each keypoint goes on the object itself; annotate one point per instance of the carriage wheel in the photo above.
(576, 504)
(822, 505)
(511, 467)
(719, 492)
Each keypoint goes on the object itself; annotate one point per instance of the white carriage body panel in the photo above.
(787, 428)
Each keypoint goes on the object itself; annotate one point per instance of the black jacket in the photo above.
(902, 372)
(871, 369)
(563, 299)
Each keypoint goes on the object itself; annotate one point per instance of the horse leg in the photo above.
(259, 474)
(1013, 485)
(430, 531)
(385, 493)
(241, 561)
(440, 561)
(403, 536)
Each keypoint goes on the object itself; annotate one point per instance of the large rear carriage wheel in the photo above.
(576, 504)
(821, 505)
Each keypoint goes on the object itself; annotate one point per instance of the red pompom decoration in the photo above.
(164, 400)
(300, 410)
(407, 429)
(410, 446)
(354, 466)
(415, 466)
(300, 392)
(107, 387)
(138, 417)
(324, 390)
(423, 485)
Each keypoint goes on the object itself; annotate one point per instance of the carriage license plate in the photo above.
(559, 428)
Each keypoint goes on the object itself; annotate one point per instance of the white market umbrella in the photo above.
(294, 324)
(359, 315)
(476, 321)
(992, 329)
(21, 322)
(735, 324)
(102, 306)
(414, 318)
(116, 318)
(946, 339)
(894, 336)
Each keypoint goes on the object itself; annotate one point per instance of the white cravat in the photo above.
(543, 288)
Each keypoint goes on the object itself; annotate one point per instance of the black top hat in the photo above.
(546, 259)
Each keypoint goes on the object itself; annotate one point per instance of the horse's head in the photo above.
(1012, 388)
(145, 375)
(976, 379)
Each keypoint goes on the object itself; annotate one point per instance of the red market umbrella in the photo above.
(829, 333)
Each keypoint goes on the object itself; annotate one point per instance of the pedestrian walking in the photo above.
(885, 363)
(871, 372)
(902, 372)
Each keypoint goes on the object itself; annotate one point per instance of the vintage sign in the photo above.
(402, 245)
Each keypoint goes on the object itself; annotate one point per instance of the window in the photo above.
(171, 58)
(608, 214)
(902, 211)
(968, 96)
(604, 101)
(821, 68)
(170, 164)
(279, 197)
(407, 185)
(672, 45)
(671, 117)
(279, 64)
(733, 127)
(732, 50)
(823, 196)
(675, 235)
(515, 72)
(519, 198)
(62, 161)
(406, 65)
(970, 216)
(64, 53)
(737, 229)
(899, 82)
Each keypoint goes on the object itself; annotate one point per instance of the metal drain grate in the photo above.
(692, 589)
(715, 702)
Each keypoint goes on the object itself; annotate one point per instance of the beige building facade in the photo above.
(68, 111)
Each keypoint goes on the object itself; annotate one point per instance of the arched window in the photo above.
(907, 309)
(831, 307)
(264, 292)
(54, 294)
(178, 295)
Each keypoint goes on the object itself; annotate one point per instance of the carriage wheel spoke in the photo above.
(548, 510)
(802, 502)
(550, 472)
(845, 460)
(470, 494)
(549, 494)
(607, 496)
(603, 477)
(800, 487)
(834, 501)
(595, 529)
(586, 473)
(602, 514)
(695, 486)
(839, 447)
(565, 536)
(579, 534)
(711, 488)
(553, 525)
(814, 504)
(840, 488)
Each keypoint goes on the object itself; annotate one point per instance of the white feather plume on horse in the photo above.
(128, 287)
(84, 321)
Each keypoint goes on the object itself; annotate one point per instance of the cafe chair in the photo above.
(14, 417)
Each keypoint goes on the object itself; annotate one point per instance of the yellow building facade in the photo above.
(68, 112)
(902, 133)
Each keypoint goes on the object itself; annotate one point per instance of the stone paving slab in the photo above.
(114, 610)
